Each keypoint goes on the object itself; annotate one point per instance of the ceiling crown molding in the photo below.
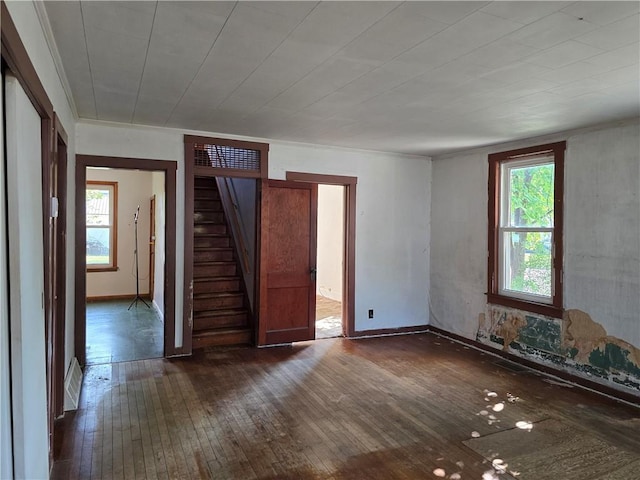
(55, 54)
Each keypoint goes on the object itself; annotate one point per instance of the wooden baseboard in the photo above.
(546, 369)
(104, 298)
(389, 331)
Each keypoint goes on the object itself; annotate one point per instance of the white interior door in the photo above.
(26, 281)
(6, 451)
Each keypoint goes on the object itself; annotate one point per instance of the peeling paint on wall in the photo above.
(587, 336)
(576, 342)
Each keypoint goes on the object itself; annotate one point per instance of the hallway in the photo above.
(116, 334)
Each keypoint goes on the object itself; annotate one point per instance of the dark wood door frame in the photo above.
(349, 273)
(191, 171)
(152, 245)
(169, 169)
(59, 293)
(15, 60)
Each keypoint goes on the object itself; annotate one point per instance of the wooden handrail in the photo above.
(230, 205)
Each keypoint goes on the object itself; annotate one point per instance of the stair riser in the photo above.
(212, 256)
(216, 286)
(202, 204)
(217, 217)
(226, 321)
(209, 228)
(201, 304)
(209, 242)
(202, 271)
(234, 338)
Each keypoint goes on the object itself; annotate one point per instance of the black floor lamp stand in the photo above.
(135, 254)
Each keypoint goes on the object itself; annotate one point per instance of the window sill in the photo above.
(527, 306)
(102, 269)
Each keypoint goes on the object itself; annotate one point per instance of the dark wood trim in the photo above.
(54, 141)
(258, 265)
(191, 171)
(527, 306)
(349, 278)
(114, 230)
(555, 308)
(390, 331)
(189, 195)
(570, 377)
(101, 269)
(17, 58)
(320, 178)
(169, 168)
(558, 212)
(61, 268)
(263, 148)
(262, 271)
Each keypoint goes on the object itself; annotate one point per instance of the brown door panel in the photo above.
(287, 262)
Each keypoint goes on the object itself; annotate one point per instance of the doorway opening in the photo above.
(330, 261)
(124, 321)
(118, 316)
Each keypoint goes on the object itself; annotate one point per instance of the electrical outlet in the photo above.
(371, 313)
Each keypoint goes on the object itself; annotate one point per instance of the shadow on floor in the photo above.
(115, 334)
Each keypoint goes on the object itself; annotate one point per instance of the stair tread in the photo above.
(220, 312)
(221, 331)
(210, 295)
(215, 332)
(214, 263)
(224, 277)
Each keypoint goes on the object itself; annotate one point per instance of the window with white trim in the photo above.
(525, 231)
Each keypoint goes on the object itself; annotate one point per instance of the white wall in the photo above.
(134, 188)
(6, 450)
(330, 256)
(602, 231)
(26, 20)
(602, 222)
(158, 189)
(26, 277)
(392, 222)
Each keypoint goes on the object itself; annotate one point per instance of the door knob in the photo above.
(313, 272)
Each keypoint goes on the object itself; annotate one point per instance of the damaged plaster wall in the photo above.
(602, 229)
(600, 332)
(574, 342)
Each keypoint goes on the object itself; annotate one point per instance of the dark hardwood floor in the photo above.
(381, 408)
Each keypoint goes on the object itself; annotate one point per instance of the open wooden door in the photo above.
(287, 262)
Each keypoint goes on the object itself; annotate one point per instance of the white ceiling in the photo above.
(412, 77)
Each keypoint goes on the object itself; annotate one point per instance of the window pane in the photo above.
(98, 246)
(98, 206)
(531, 196)
(527, 262)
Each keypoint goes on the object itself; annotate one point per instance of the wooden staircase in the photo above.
(220, 313)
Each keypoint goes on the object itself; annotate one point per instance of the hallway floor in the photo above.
(328, 318)
(405, 407)
(115, 334)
